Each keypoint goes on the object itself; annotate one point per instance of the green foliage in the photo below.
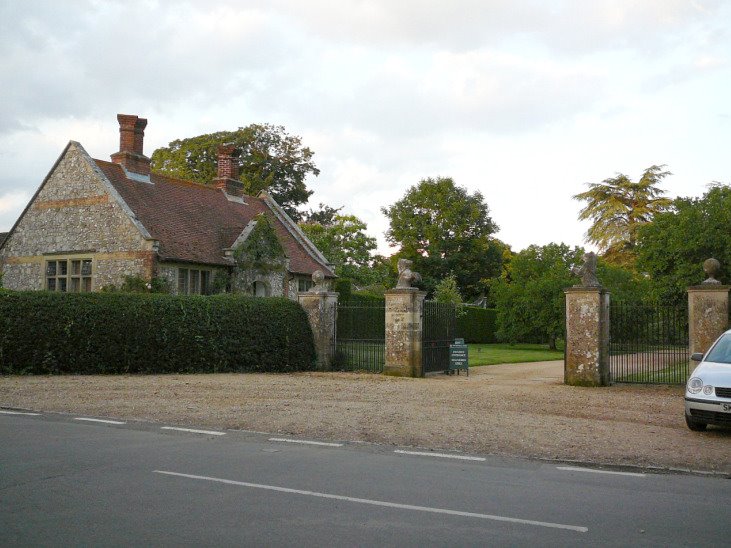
(624, 284)
(261, 251)
(44, 332)
(220, 283)
(442, 229)
(271, 160)
(618, 207)
(476, 325)
(530, 295)
(138, 284)
(346, 245)
(343, 287)
(363, 298)
(362, 318)
(324, 215)
(673, 248)
(446, 291)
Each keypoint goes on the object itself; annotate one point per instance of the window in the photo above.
(69, 274)
(304, 284)
(192, 281)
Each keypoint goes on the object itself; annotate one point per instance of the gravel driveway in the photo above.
(513, 409)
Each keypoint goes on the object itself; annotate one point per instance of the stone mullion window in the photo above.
(193, 281)
(69, 274)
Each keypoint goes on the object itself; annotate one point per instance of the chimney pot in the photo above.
(131, 142)
(227, 177)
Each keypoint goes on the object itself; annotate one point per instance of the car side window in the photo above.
(721, 352)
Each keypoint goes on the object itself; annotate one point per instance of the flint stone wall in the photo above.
(403, 332)
(708, 317)
(321, 309)
(587, 337)
(74, 214)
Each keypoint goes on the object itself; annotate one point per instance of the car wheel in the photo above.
(695, 425)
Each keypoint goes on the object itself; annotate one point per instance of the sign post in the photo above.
(458, 357)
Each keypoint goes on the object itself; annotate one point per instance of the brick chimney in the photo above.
(227, 178)
(131, 139)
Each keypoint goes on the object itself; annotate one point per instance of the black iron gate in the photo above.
(439, 322)
(648, 343)
(360, 336)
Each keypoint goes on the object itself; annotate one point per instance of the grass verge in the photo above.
(492, 354)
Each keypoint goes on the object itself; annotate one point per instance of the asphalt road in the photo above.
(65, 481)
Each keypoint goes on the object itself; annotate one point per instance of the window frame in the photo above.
(194, 281)
(73, 277)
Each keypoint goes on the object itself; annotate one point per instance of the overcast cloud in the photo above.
(523, 100)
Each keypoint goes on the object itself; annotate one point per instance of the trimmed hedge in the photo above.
(477, 325)
(93, 333)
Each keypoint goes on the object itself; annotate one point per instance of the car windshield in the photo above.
(721, 352)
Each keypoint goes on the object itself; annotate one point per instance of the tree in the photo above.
(271, 160)
(443, 229)
(617, 208)
(446, 291)
(673, 248)
(529, 296)
(346, 245)
(324, 214)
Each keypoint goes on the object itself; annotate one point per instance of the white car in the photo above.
(708, 392)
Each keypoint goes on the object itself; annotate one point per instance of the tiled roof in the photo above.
(195, 222)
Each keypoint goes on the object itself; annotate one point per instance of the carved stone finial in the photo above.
(587, 272)
(405, 275)
(318, 279)
(712, 268)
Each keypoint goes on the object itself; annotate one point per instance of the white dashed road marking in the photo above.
(594, 471)
(4, 412)
(105, 421)
(440, 455)
(194, 431)
(306, 442)
(381, 502)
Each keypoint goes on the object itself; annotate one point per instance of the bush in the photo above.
(477, 325)
(93, 333)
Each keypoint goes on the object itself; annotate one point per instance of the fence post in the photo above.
(321, 306)
(587, 337)
(708, 308)
(404, 308)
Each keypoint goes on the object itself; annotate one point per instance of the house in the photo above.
(92, 223)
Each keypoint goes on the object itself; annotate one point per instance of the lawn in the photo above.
(491, 354)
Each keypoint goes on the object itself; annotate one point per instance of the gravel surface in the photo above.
(514, 409)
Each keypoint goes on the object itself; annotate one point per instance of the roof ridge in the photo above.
(175, 180)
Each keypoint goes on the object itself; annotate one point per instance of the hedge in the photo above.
(94, 333)
(477, 325)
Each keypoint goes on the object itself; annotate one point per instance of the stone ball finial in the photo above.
(712, 268)
(317, 279)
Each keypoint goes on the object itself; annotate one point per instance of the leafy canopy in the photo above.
(271, 160)
(617, 208)
(529, 296)
(344, 242)
(446, 291)
(673, 248)
(443, 228)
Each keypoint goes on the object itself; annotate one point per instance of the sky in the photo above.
(525, 101)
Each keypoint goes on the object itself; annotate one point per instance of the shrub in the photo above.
(93, 333)
(476, 325)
